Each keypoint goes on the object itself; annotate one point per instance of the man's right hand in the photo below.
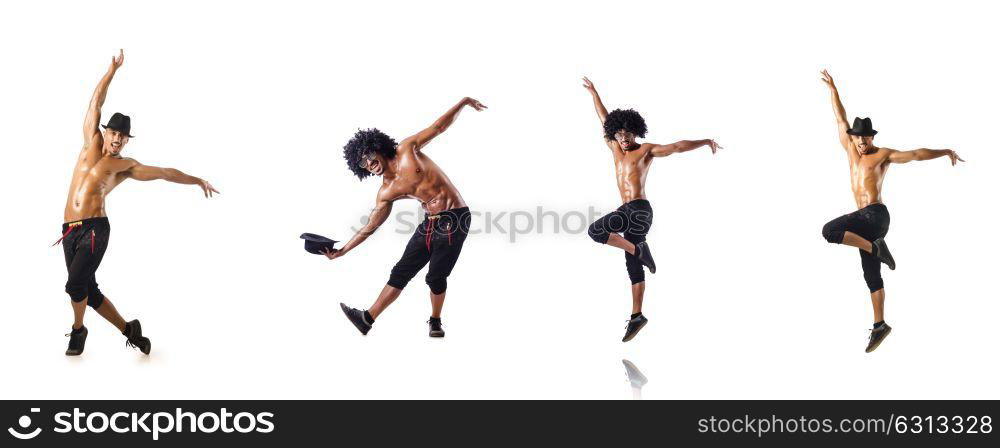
(117, 61)
(587, 84)
(332, 254)
(827, 79)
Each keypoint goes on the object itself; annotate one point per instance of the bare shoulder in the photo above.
(126, 164)
(408, 144)
(884, 153)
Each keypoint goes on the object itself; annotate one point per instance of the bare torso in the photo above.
(631, 168)
(867, 173)
(418, 177)
(94, 176)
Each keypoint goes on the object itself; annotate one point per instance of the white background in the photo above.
(259, 98)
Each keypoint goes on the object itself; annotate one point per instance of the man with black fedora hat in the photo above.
(408, 173)
(100, 167)
(866, 228)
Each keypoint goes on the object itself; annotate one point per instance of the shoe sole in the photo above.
(68, 353)
(138, 328)
(636, 333)
(437, 335)
(888, 261)
(880, 341)
(347, 314)
(652, 264)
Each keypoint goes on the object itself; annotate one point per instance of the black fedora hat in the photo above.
(862, 128)
(121, 123)
(315, 244)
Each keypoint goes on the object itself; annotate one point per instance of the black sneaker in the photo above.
(77, 340)
(357, 317)
(436, 330)
(878, 335)
(133, 331)
(634, 325)
(881, 251)
(645, 256)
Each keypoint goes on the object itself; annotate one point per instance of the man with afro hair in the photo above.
(408, 173)
(626, 227)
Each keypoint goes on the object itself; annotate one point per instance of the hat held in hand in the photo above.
(317, 244)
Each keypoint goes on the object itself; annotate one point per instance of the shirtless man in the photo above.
(408, 173)
(99, 169)
(633, 219)
(866, 228)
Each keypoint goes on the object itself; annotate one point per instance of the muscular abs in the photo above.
(631, 168)
(867, 173)
(418, 177)
(94, 176)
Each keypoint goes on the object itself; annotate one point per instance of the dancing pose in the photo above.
(407, 172)
(866, 228)
(99, 169)
(626, 227)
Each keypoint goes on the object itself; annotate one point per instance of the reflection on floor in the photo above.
(635, 378)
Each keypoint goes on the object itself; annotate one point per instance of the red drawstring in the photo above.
(430, 230)
(92, 236)
(70, 229)
(427, 230)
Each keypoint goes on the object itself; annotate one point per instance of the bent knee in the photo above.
(832, 234)
(597, 233)
(874, 283)
(438, 285)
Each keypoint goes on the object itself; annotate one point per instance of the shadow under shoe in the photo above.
(357, 317)
(881, 251)
(435, 328)
(877, 336)
(635, 377)
(634, 325)
(133, 332)
(77, 341)
(645, 257)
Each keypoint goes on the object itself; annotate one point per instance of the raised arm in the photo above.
(683, 146)
(445, 121)
(922, 154)
(602, 112)
(93, 120)
(838, 110)
(147, 173)
(375, 220)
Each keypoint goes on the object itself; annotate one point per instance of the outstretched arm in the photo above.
(375, 220)
(923, 154)
(683, 146)
(838, 110)
(146, 173)
(93, 120)
(602, 112)
(444, 122)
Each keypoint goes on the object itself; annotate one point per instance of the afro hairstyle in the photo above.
(364, 142)
(628, 119)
